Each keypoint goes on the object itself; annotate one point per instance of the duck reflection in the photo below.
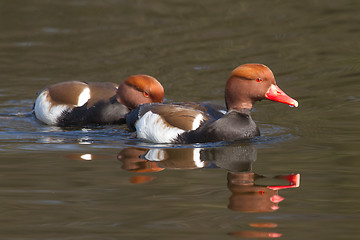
(156, 159)
(250, 192)
(247, 196)
(133, 161)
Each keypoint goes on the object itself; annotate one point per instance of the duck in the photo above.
(190, 123)
(75, 103)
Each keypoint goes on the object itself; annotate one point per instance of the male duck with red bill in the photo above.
(201, 123)
(75, 103)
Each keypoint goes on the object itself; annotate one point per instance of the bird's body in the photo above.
(77, 103)
(197, 123)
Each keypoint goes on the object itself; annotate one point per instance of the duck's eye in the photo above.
(146, 94)
(258, 80)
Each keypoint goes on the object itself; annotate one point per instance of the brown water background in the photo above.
(191, 47)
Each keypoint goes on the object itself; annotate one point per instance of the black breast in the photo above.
(234, 125)
(103, 112)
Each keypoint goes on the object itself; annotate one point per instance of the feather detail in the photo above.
(46, 112)
(83, 97)
(152, 127)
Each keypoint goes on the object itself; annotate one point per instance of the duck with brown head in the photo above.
(77, 103)
(174, 123)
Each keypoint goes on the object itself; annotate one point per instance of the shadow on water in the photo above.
(250, 192)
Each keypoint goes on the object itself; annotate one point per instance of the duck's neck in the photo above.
(239, 105)
(241, 110)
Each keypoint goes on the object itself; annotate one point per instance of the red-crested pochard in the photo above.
(77, 103)
(176, 123)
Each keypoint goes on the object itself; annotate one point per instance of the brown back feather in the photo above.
(101, 91)
(66, 92)
(177, 116)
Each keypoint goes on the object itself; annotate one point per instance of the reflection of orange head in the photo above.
(253, 199)
(263, 225)
(141, 179)
(132, 161)
(131, 153)
(145, 167)
(255, 234)
(247, 197)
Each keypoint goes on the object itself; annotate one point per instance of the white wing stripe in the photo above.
(83, 97)
(197, 121)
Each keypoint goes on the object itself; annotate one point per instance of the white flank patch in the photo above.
(47, 113)
(84, 97)
(197, 121)
(153, 128)
(155, 154)
(222, 111)
(196, 157)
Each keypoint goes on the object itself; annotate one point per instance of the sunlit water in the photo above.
(298, 180)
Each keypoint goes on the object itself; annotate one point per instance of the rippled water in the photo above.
(299, 180)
